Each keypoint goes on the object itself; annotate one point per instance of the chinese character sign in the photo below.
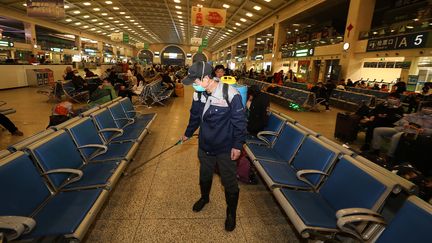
(213, 17)
(46, 8)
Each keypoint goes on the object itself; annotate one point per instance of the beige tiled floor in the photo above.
(154, 203)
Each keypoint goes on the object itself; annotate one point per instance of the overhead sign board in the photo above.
(196, 41)
(213, 17)
(125, 38)
(139, 45)
(46, 8)
(298, 53)
(399, 42)
(117, 37)
(204, 42)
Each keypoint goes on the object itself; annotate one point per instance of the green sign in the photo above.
(146, 46)
(125, 38)
(200, 48)
(204, 42)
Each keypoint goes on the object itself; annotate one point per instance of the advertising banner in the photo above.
(139, 45)
(46, 8)
(117, 37)
(213, 17)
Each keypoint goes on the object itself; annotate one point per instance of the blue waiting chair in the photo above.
(268, 136)
(110, 131)
(283, 149)
(313, 160)
(132, 124)
(29, 210)
(412, 223)
(349, 186)
(21, 145)
(93, 148)
(64, 168)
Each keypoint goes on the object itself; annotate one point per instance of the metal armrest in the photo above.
(261, 134)
(98, 152)
(355, 211)
(300, 175)
(116, 130)
(16, 226)
(129, 120)
(136, 112)
(78, 175)
(346, 224)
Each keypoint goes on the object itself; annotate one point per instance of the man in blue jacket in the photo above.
(220, 115)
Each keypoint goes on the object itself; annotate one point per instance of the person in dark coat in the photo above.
(384, 115)
(258, 107)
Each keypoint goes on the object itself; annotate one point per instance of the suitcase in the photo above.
(346, 127)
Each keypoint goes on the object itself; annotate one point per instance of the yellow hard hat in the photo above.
(228, 80)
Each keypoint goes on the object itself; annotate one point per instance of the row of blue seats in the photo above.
(378, 94)
(285, 94)
(157, 92)
(297, 85)
(54, 183)
(326, 189)
(348, 100)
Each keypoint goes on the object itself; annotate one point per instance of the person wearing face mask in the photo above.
(218, 111)
(384, 115)
(414, 124)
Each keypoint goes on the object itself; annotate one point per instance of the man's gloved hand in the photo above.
(235, 154)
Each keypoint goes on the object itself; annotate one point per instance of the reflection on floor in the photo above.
(155, 204)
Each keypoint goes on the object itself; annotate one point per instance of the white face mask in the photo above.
(197, 87)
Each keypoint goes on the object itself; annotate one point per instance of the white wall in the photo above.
(388, 74)
(15, 76)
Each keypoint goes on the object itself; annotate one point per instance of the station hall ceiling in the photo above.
(161, 21)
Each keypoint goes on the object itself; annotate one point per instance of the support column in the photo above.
(114, 52)
(78, 43)
(359, 19)
(279, 39)
(250, 49)
(100, 48)
(233, 52)
(30, 35)
(250, 46)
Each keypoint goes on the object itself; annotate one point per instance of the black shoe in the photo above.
(205, 192)
(232, 201)
(199, 205)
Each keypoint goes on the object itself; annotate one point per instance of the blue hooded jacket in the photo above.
(222, 125)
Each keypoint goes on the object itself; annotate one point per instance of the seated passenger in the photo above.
(273, 89)
(413, 125)
(258, 106)
(321, 94)
(384, 115)
(376, 87)
(69, 73)
(9, 125)
(88, 73)
(350, 83)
